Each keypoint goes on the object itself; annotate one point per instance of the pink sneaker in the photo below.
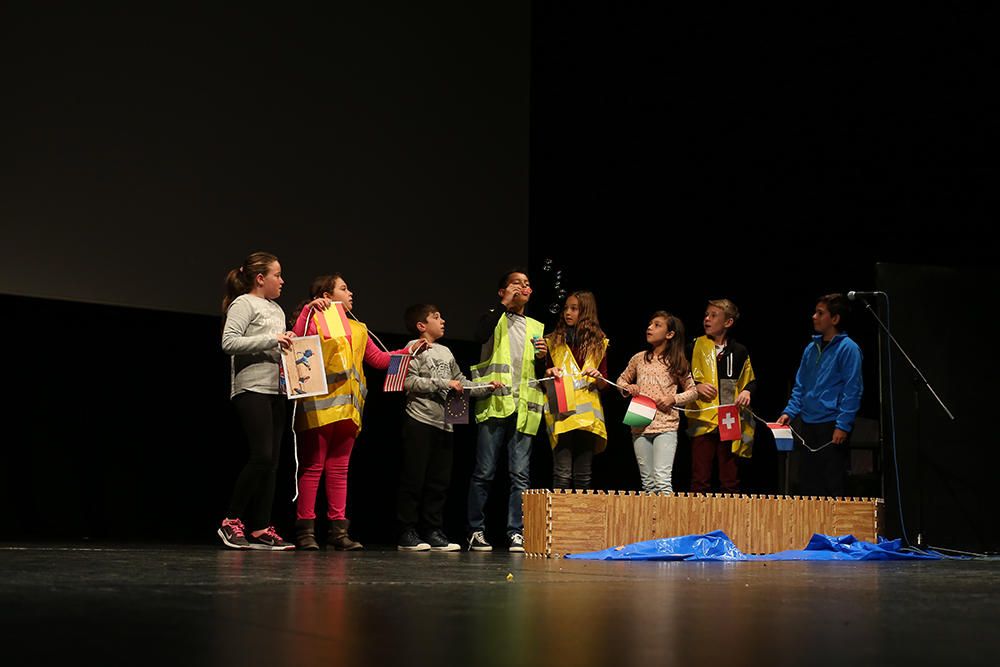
(232, 535)
(269, 540)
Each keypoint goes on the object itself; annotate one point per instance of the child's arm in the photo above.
(378, 359)
(849, 400)
(237, 321)
(416, 383)
(689, 393)
(302, 327)
(628, 377)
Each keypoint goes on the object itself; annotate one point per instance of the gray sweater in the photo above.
(426, 385)
(249, 336)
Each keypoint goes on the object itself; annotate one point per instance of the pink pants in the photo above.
(327, 448)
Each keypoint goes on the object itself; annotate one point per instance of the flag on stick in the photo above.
(396, 374)
(332, 322)
(640, 413)
(729, 423)
(783, 439)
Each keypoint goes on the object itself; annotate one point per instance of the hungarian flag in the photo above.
(562, 395)
(394, 376)
(782, 436)
(641, 410)
(332, 322)
(729, 423)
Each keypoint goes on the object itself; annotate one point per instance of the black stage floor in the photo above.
(200, 605)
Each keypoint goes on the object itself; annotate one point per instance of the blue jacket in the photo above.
(828, 385)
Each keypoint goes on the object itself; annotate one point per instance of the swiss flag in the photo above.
(729, 423)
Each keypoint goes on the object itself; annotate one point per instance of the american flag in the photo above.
(398, 364)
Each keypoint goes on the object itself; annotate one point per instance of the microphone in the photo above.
(854, 296)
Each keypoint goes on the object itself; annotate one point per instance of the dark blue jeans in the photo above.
(493, 434)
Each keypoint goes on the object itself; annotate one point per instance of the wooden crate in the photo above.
(562, 522)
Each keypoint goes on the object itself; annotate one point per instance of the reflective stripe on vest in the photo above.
(345, 376)
(587, 413)
(497, 368)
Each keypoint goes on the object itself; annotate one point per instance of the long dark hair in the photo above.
(673, 354)
(589, 335)
(240, 280)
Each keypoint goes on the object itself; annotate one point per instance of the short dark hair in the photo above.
(418, 312)
(837, 304)
(505, 278)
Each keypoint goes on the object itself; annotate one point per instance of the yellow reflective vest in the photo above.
(496, 367)
(345, 378)
(704, 368)
(586, 412)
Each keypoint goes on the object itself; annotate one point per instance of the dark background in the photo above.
(675, 156)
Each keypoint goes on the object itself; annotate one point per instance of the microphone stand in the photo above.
(917, 375)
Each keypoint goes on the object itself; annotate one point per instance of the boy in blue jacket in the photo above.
(825, 399)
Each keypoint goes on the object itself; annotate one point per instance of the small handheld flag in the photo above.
(396, 374)
(782, 436)
(562, 395)
(456, 407)
(729, 423)
(641, 410)
(332, 322)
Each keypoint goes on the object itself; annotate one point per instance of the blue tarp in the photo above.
(717, 546)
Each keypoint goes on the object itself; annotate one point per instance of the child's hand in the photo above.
(743, 400)
(784, 419)
(456, 386)
(554, 372)
(320, 303)
(285, 339)
(594, 373)
(511, 294)
(419, 346)
(706, 392)
(630, 390)
(496, 385)
(666, 404)
(541, 349)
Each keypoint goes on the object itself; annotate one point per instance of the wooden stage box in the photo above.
(562, 522)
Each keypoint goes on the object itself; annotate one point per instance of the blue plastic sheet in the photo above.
(716, 546)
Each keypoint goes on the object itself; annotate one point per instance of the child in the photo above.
(427, 439)
(253, 331)
(826, 397)
(724, 376)
(512, 354)
(328, 425)
(577, 347)
(657, 373)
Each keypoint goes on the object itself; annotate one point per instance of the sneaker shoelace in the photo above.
(272, 533)
(478, 537)
(234, 525)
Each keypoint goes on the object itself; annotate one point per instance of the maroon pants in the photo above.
(705, 450)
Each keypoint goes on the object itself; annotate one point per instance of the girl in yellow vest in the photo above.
(663, 374)
(328, 425)
(577, 348)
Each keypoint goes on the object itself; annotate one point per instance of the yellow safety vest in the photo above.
(586, 414)
(345, 378)
(497, 368)
(705, 370)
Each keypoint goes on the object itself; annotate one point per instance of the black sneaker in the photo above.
(515, 543)
(410, 541)
(231, 532)
(439, 542)
(477, 542)
(269, 540)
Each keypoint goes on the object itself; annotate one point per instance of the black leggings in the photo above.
(263, 419)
